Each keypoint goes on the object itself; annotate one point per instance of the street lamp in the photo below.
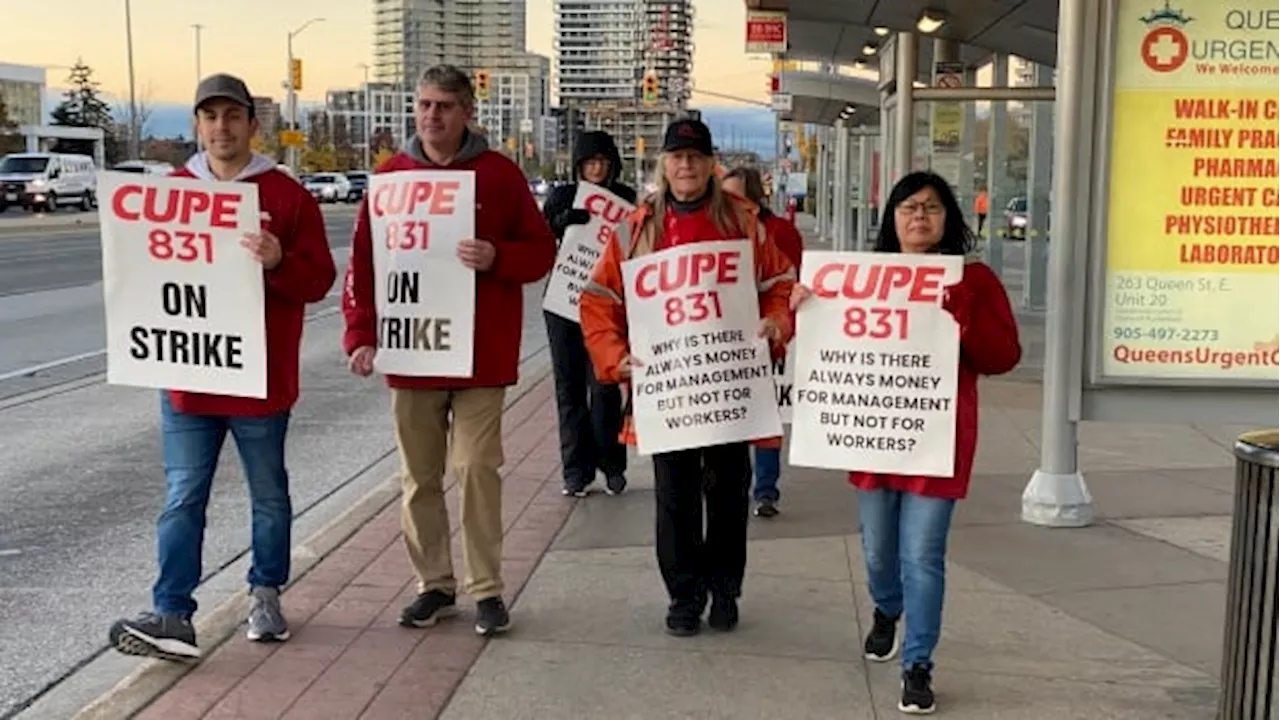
(199, 75)
(293, 91)
(133, 98)
(368, 116)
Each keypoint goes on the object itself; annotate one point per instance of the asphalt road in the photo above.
(80, 478)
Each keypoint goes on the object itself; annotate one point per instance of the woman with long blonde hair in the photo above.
(688, 207)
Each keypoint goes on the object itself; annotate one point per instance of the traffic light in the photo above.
(295, 74)
(482, 84)
(649, 88)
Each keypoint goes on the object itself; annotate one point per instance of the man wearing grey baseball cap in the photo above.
(297, 268)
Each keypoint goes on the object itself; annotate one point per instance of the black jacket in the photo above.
(558, 208)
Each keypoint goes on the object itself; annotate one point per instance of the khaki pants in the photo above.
(424, 434)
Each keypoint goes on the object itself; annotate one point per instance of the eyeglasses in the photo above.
(929, 208)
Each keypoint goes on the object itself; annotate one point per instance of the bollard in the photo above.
(1249, 634)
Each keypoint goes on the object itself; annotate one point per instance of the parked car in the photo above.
(328, 187)
(359, 181)
(1016, 220)
(47, 181)
(144, 167)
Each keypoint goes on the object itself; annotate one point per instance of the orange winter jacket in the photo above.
(603, 301)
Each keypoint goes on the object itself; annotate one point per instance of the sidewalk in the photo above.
(1119, 620)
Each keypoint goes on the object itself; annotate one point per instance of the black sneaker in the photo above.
(168, 637)
(917, 691)
(574, 488)
(766, 509)
(492, 617)
(724, 613)
(615, 484)
(684, 622)
(882, 641)
(428, 609)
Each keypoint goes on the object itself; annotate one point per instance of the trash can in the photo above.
(1249, 634)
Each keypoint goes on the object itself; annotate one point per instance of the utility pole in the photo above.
(134, 130)
(368, 119)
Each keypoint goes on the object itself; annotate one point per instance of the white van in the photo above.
(46, 181)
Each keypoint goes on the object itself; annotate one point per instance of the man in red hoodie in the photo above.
(297, 269)
(513, 247)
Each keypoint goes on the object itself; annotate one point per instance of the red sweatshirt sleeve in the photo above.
(306, 270)
(528, 251)
(988, 329)
(775, 277)
(789, 240)
(358, 309)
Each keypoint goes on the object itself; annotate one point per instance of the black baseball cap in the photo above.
(227, 87)
(688, 134)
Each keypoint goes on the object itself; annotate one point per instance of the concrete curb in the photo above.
(150, 680)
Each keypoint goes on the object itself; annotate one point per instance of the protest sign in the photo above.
(702, 376)
(184, 301)
(426, 297)
(784, 380)
(581, 247)
(876, 364)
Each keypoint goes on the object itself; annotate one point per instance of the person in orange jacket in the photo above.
(689, 206)
(746, 182)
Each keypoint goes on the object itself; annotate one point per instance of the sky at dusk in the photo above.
(248, 37)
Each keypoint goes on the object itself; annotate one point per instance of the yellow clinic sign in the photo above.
(1192, 254)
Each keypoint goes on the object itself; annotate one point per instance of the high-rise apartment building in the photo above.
(412, 35)
(604, 49)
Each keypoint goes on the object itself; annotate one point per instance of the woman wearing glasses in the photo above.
(905, 520)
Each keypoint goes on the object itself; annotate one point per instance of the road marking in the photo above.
(71, 359)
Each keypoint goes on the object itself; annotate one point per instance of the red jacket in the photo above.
(508, 217)
(988, 346)
(786, 237)
(603, 304)
(304, 275)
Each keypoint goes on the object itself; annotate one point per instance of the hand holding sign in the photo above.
(264, 247)
(477, 254)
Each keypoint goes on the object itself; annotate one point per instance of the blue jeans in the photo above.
(904, 542)
(768, 467)
(191, 445)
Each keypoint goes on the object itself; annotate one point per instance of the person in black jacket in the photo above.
(590, 413)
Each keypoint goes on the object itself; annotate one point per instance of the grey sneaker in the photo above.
(266, 621)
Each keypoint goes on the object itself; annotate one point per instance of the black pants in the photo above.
(590, 413)
(693, 564)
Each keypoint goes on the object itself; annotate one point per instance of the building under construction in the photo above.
(624, 67)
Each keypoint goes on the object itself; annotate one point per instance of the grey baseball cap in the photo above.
(224, 86)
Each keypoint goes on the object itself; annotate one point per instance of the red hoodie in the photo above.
(988, 346)
(786, 237)
(508, 217)
(304, 275)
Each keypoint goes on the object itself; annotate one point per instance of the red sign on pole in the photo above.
(766, 31)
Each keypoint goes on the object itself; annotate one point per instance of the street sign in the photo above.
(526, 125)
(293, 138)
(948, 74)
(783, 102)
(766, 31)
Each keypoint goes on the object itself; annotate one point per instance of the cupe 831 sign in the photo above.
(876, 364)
(581, 248)
(184, 301)
(702, 376)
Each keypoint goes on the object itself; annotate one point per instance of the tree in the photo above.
(384, 154)
(82, 106)
(10, 140)
(144, 109)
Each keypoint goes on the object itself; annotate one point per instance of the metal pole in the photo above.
(905, 116)
(1056, 495)
(293, 105)
(368, 121)
(199, 76)
(1024, 94)
(133, 98)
